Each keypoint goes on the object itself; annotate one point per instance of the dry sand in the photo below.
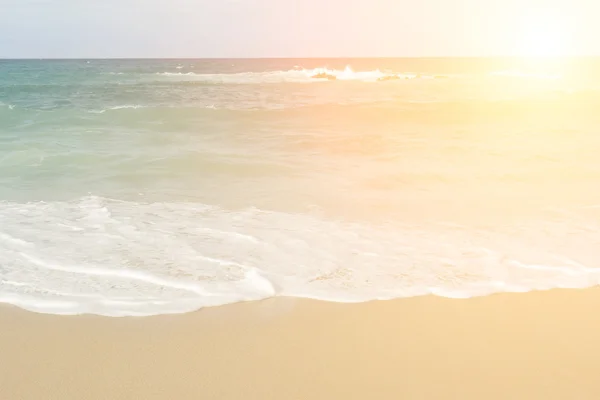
(543, 345)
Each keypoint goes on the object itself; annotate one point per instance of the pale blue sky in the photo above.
(295, 28)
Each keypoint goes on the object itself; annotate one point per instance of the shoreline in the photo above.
(537, 345)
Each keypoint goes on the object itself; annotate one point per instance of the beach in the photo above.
(247, 229)
(538, 345)
(244, 200)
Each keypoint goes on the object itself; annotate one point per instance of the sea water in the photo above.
(141, 187)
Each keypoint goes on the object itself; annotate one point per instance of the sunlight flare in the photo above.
(544, 35)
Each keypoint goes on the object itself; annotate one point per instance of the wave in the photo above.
(116, 258)
(584, 105)
(120, 107)
(296, 75)
(302, 75)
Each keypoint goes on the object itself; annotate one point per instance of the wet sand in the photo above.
(542, 345)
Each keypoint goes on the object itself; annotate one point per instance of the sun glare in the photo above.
(544, 35)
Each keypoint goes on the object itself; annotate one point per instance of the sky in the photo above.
(297, 28)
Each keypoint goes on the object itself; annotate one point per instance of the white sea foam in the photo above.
(119, 107)
(293, 76)
(299, 74)
(116, 258)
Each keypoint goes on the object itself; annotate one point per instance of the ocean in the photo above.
(143, 187)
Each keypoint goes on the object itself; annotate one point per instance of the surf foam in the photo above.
(116, 258)
(296, 75)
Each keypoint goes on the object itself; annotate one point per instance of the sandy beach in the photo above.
(540, 345)
(297, 200)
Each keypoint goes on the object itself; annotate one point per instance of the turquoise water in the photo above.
(139, 187)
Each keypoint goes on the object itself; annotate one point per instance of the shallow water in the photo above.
(139, 187)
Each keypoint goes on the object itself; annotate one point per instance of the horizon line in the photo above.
(304, 58)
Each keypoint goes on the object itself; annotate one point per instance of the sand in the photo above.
(542, 345)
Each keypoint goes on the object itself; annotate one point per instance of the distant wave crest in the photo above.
(296, 75)
(126, 106)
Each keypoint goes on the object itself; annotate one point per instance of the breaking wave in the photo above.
(117, 258)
